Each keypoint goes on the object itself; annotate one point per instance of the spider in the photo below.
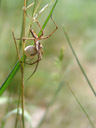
(37, 49)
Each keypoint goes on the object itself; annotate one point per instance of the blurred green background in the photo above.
(79, 19)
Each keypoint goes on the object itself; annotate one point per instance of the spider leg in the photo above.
(16, 45)
(32, 62)
(42, 32)
(52, 31)
(34, 70)
(26, 38)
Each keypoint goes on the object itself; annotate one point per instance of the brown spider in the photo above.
(37, 49)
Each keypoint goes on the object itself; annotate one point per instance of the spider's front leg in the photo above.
(41, 30)
(25, 38)
(52, 31)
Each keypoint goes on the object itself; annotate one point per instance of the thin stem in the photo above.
(78, 62)
(20, 42)
(17, 115)
(22, 68)
(22, 30)
(0, 4)
(22, 82)
(36, 9)
(80, 105)
(24, 20)
(22, 94)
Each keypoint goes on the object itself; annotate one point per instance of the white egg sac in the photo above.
(30, 51)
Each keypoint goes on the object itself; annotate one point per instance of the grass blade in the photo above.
(78, 62)
(80, 105)
(9, 78)
(0, 3)
(36, 6)
(50, 14)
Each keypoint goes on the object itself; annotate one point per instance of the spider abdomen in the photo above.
(30, 51)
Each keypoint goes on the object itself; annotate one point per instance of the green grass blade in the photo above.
(0, 3)
(91, 123)
(78, 62)
(33, 12)
(34, 8)
(50, 14)
(9, 78)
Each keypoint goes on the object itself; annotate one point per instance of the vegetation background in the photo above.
(79, 19)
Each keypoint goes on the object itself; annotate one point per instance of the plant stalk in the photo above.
(78, 62)
(91, 123)
(22, 67)
(22, 83)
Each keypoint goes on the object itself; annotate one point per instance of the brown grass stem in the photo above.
(22, 67)
(22, 77)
